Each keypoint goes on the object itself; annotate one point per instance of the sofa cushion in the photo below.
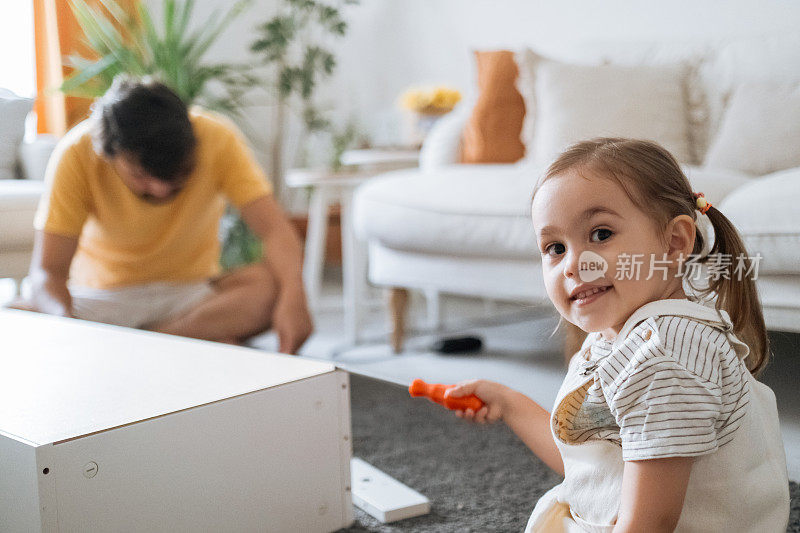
(462, 210)
(18, 201)
(765, 211)
(35, 154)
(760, 132)
(770, 58)
(566, 103)
(492, 132)
(579, 102)
(473, 210)
(13, 111)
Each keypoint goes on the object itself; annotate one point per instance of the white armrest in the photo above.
(442, 145)
(34, 156)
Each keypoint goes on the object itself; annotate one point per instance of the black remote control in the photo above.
(466, 344)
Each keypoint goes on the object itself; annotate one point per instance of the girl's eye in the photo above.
(601, 234)
(555, 249)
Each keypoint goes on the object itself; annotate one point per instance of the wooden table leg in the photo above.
(573, 340)
(398, 306)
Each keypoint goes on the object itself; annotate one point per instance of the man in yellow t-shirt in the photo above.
(127, 232)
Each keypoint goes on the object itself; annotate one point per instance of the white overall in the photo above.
(743, 486)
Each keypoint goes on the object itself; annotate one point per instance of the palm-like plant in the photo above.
(132, 43)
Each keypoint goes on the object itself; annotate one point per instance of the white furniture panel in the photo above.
(108, 429)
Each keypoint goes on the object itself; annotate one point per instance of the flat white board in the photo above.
(382, 496)
(271, 461)
(62, 378)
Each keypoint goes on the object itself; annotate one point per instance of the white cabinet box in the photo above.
(110, 429)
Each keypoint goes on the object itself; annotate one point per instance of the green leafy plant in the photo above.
(172, 52)
(293, 48)
(239, 245)
(341, 141)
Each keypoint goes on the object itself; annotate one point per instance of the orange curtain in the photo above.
(50, 104)
(57, 35)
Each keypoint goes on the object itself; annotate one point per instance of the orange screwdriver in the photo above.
(435, 393)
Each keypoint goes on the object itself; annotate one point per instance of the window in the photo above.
(17, 56)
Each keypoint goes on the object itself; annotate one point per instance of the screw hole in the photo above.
(46, 471)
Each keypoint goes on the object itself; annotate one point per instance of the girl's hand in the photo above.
(523, 416)
(492, 394)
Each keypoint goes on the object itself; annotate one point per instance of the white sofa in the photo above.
(22, 168)
(465, 229)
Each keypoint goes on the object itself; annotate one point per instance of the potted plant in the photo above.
(294, 49)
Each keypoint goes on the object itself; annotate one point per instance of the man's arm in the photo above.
(52, 257)
(283, 253)
(653, 493)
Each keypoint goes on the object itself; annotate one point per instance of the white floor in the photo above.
(519, 351)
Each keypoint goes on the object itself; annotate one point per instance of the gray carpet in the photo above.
(478, 478)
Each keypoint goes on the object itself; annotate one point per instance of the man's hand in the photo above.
(282, 252)
(291, 320)
(52, 257)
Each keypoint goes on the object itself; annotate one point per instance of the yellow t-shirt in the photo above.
(124, 240)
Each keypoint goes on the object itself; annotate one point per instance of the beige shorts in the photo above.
(138, 305)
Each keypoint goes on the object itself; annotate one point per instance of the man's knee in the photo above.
(256, 275)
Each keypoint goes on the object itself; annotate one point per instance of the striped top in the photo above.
(674, 387)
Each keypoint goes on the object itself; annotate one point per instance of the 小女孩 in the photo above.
(660, 423)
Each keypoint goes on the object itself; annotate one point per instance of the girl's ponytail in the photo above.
(736, 292)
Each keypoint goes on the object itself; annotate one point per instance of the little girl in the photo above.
(659, 424)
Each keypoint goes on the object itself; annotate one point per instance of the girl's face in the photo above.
(583, 223)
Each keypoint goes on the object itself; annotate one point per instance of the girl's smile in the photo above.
(585, 294)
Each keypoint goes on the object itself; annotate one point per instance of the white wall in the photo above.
(393, 44)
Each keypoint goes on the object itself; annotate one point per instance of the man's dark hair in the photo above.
(145, 120)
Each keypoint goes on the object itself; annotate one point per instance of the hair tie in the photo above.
(703, 224)
(700, 202)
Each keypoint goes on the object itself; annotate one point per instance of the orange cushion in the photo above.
(492, 134)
